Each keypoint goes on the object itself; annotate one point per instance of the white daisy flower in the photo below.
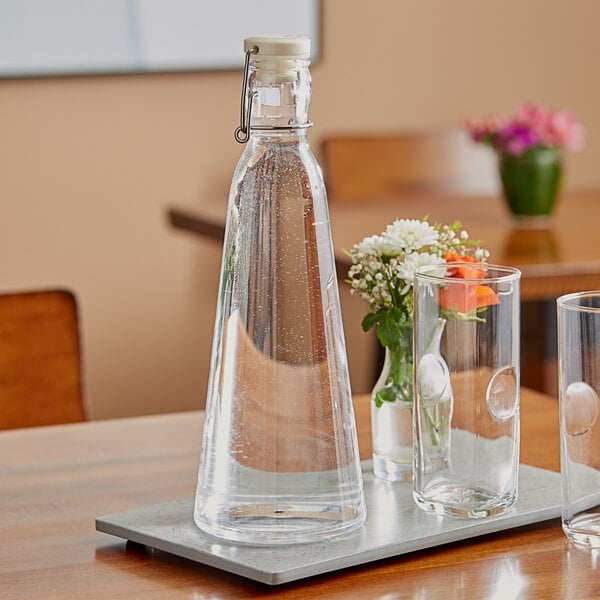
(413, 261)
(408, 235)
(374, 244)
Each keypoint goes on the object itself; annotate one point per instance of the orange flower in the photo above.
(464, 272)
(463, 297)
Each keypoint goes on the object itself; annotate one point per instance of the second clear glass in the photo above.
(579, 401)
(466, 389)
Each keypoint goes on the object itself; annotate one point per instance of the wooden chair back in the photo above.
(40, 359)
(363, 168)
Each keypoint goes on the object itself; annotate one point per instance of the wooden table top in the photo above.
(554, 261)
(54, 481)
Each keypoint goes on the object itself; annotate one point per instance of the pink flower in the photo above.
(532, 125)
(534, 116)
(516, 137)
(565, 130)
(553, 127)
(481, 129)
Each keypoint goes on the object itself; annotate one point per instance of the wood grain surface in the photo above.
(55, 480)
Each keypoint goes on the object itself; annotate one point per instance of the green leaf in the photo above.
(386, 394)
(369, 320)
(388, 328)
(388, 321)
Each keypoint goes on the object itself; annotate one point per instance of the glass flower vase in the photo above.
(392, 411)
(530, 183)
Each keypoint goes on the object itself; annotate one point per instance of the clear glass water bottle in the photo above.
(280, 457)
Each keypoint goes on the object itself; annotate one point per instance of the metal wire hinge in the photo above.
(242, 133)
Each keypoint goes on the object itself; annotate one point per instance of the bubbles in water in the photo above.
(501, 394)
(433, 380)
(581, 408)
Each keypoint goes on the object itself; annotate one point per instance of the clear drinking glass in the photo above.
(280, 459)
(466, 388)
(579, 385)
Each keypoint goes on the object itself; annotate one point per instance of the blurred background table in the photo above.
(554, 261)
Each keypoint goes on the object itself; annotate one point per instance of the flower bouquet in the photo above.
(529, 145)
(382, 274)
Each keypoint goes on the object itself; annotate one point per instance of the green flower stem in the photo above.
(437, 419)
(401, 366)
(398, 385)
(433, 423)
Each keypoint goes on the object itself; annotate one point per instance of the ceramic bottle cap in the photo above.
(285, 46)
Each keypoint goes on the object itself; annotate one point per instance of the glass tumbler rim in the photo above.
(506, 273)
(571, 301)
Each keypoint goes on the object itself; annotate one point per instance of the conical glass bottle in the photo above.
(280, 459)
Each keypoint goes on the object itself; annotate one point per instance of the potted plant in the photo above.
(529, 145)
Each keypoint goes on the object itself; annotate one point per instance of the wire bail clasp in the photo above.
(242, 133)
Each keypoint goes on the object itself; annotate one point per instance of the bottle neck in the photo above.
(280, 91)
(265, 138)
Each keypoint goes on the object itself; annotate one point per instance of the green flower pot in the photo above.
(530, 183)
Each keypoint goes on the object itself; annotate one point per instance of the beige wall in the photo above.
(88, 165)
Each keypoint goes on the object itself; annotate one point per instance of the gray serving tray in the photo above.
(394, 526)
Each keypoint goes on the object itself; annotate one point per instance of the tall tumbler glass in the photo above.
(579, 385)
(466, 356)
